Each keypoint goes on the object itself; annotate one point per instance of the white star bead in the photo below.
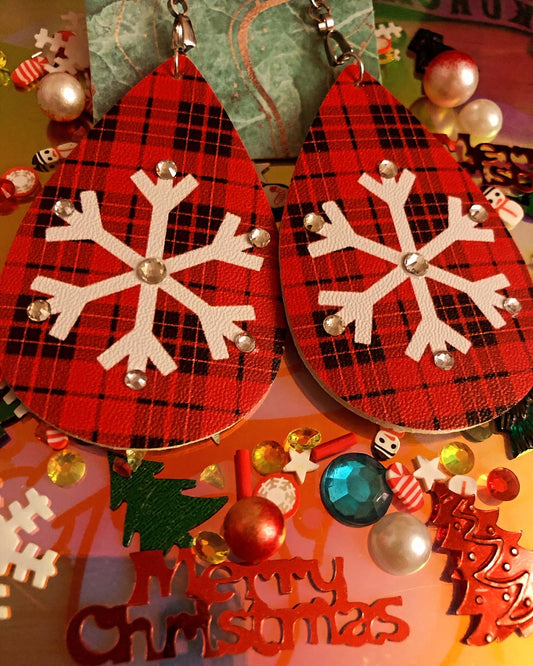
(428, 472)
(300, 464)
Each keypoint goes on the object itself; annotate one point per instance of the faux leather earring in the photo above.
(406, 296)
(139, 305)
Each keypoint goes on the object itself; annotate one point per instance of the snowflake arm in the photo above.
(358, 307)
(226, 247)
(394, 193)
(339, 235)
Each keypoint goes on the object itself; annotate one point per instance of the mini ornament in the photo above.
(427, 472)
(61, 97)
(451, 78)
(165, 318)
(405, 486)
(510, 212)
(385, 317)
(494, 574)
(386, 444)
(156, 508)
(400, 544)
(481, 118)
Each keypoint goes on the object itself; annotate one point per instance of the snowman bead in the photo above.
(481, 118)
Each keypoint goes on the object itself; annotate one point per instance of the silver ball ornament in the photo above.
(481, 118)
(61, 97)
(399, 543)
(451, 78)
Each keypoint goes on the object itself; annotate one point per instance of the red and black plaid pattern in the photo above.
(62, 381)
(355, 129)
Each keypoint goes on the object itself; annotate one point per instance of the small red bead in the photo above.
(7, 190)
(503, 484)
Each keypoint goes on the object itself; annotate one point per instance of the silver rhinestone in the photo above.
(64, 208)
(514, 551)
(478, 213)
(135, 379)
(334, 325)
(506, 566)
(471, 556)
(387, 169)
(166, 169)
(259, 237)
(244, 342)
(39, 310)
(489, 638)
(443, 360)
(151, 270)
(415, 264)
(314, 222)
(512, 305)
(506, 596)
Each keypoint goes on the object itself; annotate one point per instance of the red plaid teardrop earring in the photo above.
(406, 296)
(140, 300)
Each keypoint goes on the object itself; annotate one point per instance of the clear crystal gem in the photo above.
(244, 342)
(387, 169)
(478, 213)
(415, 264)
(135, 379)
(166, 169)
(512, 305)
(39, 310)
(64, 208)
(334, 325)
(444, 360)
(259, 237)
(151, 270)
(314, 222)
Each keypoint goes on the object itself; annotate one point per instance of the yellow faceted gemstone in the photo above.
(457, 458)
(213, 474)
(3, 60)
(211, 547)
(269, 457)
(66, 468)
(303, 439)
(134, 458)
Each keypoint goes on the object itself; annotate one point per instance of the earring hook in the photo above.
(183, 37)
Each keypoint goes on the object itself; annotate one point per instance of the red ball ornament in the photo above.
(254, 529)
(451, 79)
(503, 484)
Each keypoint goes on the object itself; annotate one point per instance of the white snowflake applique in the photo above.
(408, 263)
(140, 344)
(66, 50)
(24, 560)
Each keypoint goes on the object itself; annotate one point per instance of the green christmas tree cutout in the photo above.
(157, 509)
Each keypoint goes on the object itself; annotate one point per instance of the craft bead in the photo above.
(7, 190)
(269, 457)
(211, 547)
(457, 458)
(25, 180)
(404, 486)
(400, 544)
(259, 237)
(29, 71)
(301, 439)
(333, 447)
(280, 489)
(451, 78)
(55, 439)
(354, 490)
(66, 468)
(503, 484)
(61, 97)
(385, 445)
(314, 222)
(213, 474)
(245, 342)
(254, 529)
(334, 325)
(481, 118)
(463, 485)
(39, 310)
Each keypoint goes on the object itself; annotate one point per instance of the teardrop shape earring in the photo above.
(407, 298)
(140, 300)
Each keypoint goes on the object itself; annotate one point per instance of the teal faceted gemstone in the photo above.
(354, 490)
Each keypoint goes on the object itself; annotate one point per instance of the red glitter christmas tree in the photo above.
(493, 573)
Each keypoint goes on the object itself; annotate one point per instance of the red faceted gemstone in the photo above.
(503, 484)
(7, 190)
(254, 529)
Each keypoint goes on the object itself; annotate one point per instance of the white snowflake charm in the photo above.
(409, 263)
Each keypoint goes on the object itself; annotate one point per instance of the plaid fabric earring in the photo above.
(140, 306)
(406, 296)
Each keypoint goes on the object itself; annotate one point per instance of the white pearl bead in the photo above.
(399, 543)
(451, 78)
(61, 96)
(481, 118)
(436, 119)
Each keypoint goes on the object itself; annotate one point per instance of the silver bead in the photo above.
(64, 208)
(415, 264)
(478, 213)
(387, 169)
(314, 222)
(39, 310)
(151, 270)
(259, 237)
(400, 544)
(512, 305)
(244, 342)
(443, 360)
(135, 379)
(334, 325)
(166, 169)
